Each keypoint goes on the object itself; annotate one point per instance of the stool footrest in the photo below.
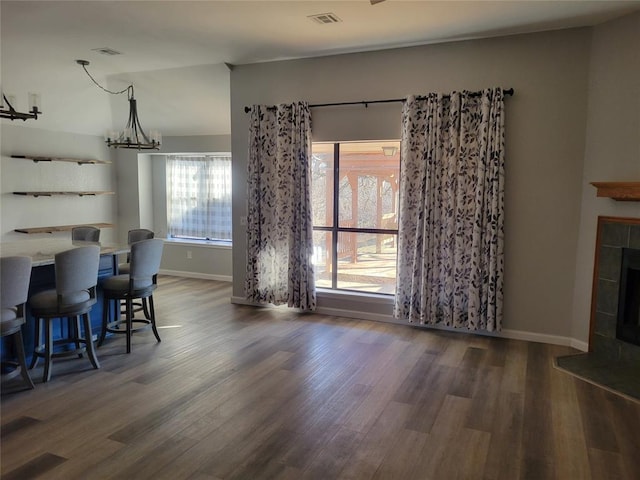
(40, 350)
(113, 327)
(16, 369)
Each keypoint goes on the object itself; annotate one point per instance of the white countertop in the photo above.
(42, 251)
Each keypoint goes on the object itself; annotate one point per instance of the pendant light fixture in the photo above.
(7, 109)
(132, 136)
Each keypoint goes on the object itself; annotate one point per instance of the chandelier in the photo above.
(8, 111)
(132, 136)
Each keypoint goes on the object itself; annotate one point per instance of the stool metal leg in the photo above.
(48, 350)
(152, 318)
(19, 349)
(37, 339)
(91, 352)
(106, 304)
(129, 323)
(145, 309)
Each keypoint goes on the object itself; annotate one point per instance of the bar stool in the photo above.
(15, 274)
(133, 236)
(141, 282)
(76, 272)
(85, 233)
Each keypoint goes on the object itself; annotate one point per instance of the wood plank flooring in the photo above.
(235, 392)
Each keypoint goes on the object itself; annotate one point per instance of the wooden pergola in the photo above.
(352, 166)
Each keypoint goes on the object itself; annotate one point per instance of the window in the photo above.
(199, 196)
(355, 215)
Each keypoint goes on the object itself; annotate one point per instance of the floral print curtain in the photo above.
(451, 221)
(279, 222)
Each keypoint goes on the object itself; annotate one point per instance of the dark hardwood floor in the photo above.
(235, 392)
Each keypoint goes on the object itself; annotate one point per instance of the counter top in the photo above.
(43, 251)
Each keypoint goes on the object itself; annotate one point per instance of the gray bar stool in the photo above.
(76, 273)
(85, 233)
(133, 236)
(15, 274)
(140, 283)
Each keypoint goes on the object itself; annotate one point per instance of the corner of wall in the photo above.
(612, 146)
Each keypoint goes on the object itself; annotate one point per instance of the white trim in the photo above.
(326, 293)
(244, 301)
(335, 312)
(202, 276)
(338, 312)
(187, 154)
(506, 333)
(544, 338)
(579, 344)
(184, 242)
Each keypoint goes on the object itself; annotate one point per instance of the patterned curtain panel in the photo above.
(450, 243)
(199, 196)
(279, 222)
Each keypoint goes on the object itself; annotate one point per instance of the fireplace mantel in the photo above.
(622, 191)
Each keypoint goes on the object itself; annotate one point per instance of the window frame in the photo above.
(335, 229)
(192, 239)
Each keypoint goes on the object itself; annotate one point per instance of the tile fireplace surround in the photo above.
(614, 234)
(611, 363)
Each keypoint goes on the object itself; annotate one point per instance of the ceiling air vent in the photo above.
(324, 18)
(106, 51)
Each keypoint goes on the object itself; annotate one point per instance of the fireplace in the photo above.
(628, 322)
(615, 323)
(613, 359)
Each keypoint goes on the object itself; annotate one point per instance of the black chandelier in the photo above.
(132, 136)
(8, 111)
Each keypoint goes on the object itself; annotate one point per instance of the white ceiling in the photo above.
(40, 41)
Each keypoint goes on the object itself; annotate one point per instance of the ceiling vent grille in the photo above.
(325, 18)
(106, 51)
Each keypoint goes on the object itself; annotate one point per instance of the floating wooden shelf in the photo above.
(49, 194)
(60, 228)
(79, 161)
(621, 191)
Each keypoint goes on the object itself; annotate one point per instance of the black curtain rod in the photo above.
(366, 103)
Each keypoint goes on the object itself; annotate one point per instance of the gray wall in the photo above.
(574, 119)
(22, 175)
(545, 138)
(612, 150)
(187, 259)
(138, 179)
(187, 144)
(142, 181)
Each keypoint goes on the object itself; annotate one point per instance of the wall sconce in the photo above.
(389, 151)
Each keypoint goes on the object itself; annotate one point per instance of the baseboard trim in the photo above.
(244, 301)
(580, 345)
(202, 276)
(505, 333)
(376, 317)
(544, 338)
